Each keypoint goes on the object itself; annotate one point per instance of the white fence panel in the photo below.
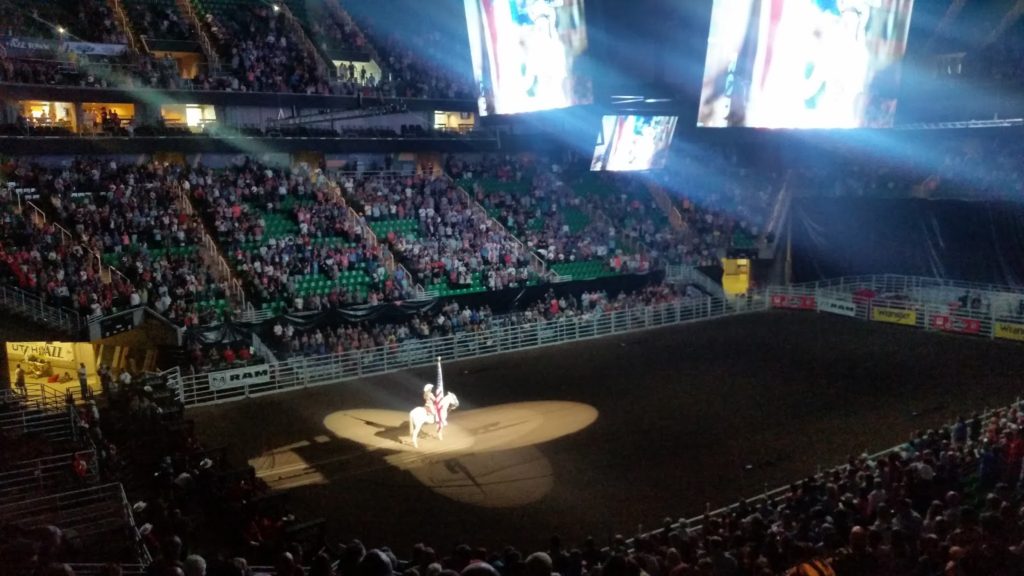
(501, 338)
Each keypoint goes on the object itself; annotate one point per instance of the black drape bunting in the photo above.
(948, 239)
(500, 302)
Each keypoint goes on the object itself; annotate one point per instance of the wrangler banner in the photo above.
(1009, 331)
(956, 324)
(793, 302)
(900, 316)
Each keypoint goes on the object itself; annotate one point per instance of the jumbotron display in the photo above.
(804, 63)
(630, 143)
(526, 54)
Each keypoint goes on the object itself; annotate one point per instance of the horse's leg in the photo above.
(412, 429)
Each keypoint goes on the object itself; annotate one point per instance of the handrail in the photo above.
(43, 473)
(204, 41)
(128, 32)
(339, 12)
(214, 253)
(539, 265)
(297, 29)
(140, 92)
(661, 198)
(70, 238)
(893, 280)
(780, 212)
(65, 319)
(683, 274)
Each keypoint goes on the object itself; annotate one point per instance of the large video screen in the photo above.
(804, 63)
(628, 143)
(526, 54)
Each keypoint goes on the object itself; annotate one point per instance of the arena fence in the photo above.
(33, 420)
(777, 496)
(97, 516)
(926, 303)
(46, 475)
(273, 377)
(930, 304)
(991, 311)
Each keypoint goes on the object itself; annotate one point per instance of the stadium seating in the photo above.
(259, 51)
(452, 247)
(55, 266)
(560, 214)
(300, 251)
(158, 20)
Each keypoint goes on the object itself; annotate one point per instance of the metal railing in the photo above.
(683, 274)
(94, 513)
(695, 524)
(896, 283)
(44, 475)
(926, 303)
(539, 265)
(56, 426)
(213, 254)
(331, 369)
(32, 307)
(204, 41)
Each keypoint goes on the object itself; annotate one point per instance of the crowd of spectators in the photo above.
(983, 169)
(412, 61)
(93, 21)
(121, 215)
(542, 204)
(328, 240)
(132, 212)
(41, 260)
(182, 495)
(721, 198)
(455, 243)
(415, 68)
(945, 502)
(158, 21)
(260, 54)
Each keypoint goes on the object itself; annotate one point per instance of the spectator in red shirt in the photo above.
(229, 355)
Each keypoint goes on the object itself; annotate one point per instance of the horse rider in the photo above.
(431, 402)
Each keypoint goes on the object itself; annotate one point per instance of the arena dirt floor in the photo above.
(601, 437)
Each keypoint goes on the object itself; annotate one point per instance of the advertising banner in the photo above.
(16, 47)
(834, 305)
(51, 351)
(956, 324)
(91, 48)
(1009, 331)
(900, 316)
(240, 377)
(793, 302)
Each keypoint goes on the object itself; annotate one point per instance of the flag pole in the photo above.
(439, 396)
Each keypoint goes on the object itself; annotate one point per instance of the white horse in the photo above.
(419, 416)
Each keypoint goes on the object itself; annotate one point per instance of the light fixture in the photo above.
(276, 7)
(60, 29)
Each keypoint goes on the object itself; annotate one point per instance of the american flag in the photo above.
(438, 396)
